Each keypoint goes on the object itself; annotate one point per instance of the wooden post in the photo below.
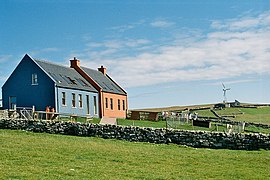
(52, 110)
(47, 110)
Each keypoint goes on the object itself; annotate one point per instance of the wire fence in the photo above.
(186, 120)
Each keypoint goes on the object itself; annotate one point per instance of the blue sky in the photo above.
(164, 53)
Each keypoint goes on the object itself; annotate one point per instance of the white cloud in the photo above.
(236, 47)
(239, 81)
(111, 48)
(244, 22)
(44, 50)
(3, 79)
(118, 44)
(161, 24)
(124, 28)
(4, 58)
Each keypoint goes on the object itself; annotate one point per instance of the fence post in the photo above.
(166, 124)
(47, 110)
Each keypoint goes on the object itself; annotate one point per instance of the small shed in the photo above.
(220, 106)
(144, 115)
(235, 104)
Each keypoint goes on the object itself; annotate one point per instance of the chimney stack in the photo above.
(102, 69)
(74, 63)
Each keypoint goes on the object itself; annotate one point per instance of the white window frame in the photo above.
(111, 103)
(80, 100)
(124, 104)
(95, 105)
(106, 103)
(64, 99)
(88, 104)
(34, 79)
(119, 104)
(73, 100)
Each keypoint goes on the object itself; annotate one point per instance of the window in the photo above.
(34, 79)
(95, 105)
(119, 105)
(124, 105)
(73, 100)
(111, 103)
(68, 79)
(106, 102)
(80, 101)
(63, 98)
(82, 82)
(87, 104)
(71, 81)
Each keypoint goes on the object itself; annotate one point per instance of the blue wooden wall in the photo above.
(19, 85)
(45, 93)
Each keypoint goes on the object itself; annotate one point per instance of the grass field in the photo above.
(26, 155)
(256, 115)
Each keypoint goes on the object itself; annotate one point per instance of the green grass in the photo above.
(26, 155)
(162, 124)
(256, 115)
(254, 129)
(141, 123)
(95, 120)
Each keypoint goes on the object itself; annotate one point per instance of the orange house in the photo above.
(112, 98)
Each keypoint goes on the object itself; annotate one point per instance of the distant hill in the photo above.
(175, 108)
(192, 107)
(248, 112)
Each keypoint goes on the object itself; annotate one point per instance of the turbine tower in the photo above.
(224, 93)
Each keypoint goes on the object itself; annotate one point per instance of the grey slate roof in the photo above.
(104, 82)
(65, 77)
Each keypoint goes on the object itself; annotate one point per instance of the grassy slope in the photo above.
(25, 155)
(256, 115)
(175, 108)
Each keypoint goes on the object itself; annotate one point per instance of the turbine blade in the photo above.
(223, 85)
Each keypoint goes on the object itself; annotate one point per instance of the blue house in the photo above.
(44, 84)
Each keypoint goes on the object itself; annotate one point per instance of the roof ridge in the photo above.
(89, 68)
(52, 63)
(105, 82)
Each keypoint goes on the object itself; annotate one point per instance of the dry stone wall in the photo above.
(3, 114)
(198, 139)
(227, 121)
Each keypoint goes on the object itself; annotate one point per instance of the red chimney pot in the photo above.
(74, 63)
(102, 70)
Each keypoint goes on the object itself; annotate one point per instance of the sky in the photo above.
(163, 53)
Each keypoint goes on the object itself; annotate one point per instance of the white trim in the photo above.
(34, 78)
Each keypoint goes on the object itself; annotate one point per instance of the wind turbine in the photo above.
(224, 93)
